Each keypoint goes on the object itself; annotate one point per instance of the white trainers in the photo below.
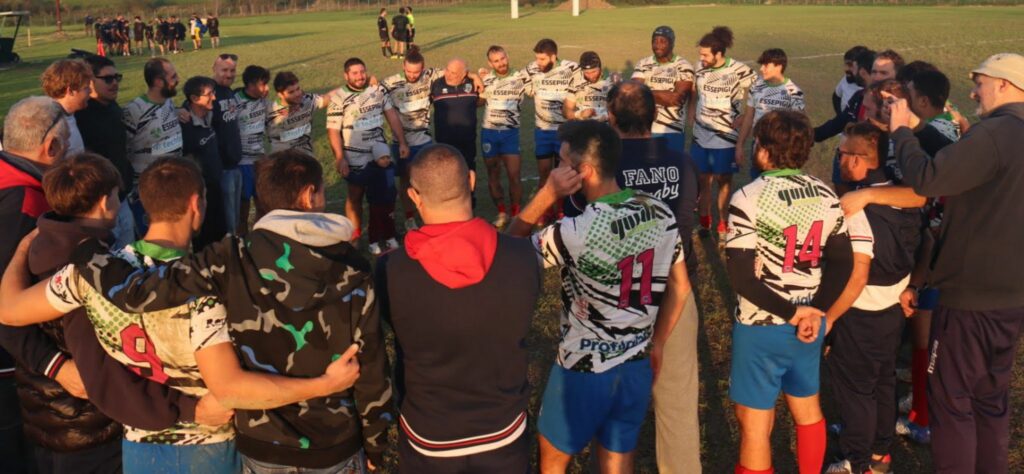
(375, 249)
(840, 467)
(410, 224)
(501, 220)
(392, 244)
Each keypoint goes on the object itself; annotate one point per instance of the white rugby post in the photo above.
(515, 9)
(575, 7)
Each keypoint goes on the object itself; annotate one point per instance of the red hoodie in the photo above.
(456, 254)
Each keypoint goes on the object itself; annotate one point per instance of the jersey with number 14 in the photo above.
(663, 77)
(615, 257)
(504, 96)
(786, 217)
(549, 90)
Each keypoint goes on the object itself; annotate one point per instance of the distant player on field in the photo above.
(721, 83)
(771, 91)
(502, 97)
(789, 257)
(670, 77)
(400, 31)
(382, 32)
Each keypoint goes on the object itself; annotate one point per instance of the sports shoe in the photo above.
(839, 467)
(917, 433)
(392, 244)
(410, 224)
(394, 56)
(375, 249)
(501, 220)
(904, 375)
(883, 466)
(906, 404)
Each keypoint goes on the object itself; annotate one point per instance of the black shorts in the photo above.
(401, 37)
(383, 35)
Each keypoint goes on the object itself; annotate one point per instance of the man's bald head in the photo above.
(455, 72)
(224, 69)
(631, 108)
(440, 176)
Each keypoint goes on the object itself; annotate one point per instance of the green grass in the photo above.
(315, 45)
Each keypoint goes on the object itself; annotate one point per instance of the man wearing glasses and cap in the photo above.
(977, 269)
(588, 93)
(670, 77)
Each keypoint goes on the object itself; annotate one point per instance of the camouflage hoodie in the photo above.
(297, 294)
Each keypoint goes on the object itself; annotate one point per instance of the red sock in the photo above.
(501, 208)
(705, 222)
(810, 447)
(743, 470)
(919, 376)
(355, 235)
(515, 210)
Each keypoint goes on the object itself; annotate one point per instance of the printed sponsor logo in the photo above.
(799, 194)
(639, 220)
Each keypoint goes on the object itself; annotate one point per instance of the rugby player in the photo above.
(670, 77)
(721, 83)
(848, 84)
(289, 121)
(502, 97)
(624, 285)
(252, 114)
(887, 64)
(382, 32)
(355, 127)
(400, 31)
(550, 79)
(772, 91)
(789, 257)
(588, 95)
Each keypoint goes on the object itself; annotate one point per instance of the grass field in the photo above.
(315, 45)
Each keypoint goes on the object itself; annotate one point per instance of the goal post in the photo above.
(515, 8)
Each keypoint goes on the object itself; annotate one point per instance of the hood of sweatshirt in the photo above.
(58, 237)
(300, 255)
(1015, 109)
(457, 254)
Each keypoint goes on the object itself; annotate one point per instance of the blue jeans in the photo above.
(124, 226)
(149, 458)
(231, 186)
(353, 465)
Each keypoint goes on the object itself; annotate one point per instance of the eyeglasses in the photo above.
(226, 56)
(57, 119)
(111, 78)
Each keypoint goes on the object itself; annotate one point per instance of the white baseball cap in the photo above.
(1005, 66)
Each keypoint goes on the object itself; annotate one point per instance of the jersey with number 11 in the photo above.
(786, 217)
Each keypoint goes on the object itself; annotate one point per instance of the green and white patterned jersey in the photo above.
(291, 128)
(719, 101)
(412, 99)
(548, 90)
(764, 97)
(786, 217)
(153, 132)
(504, 96)
(158, 345)
(615, 258)
(946, 125)
(591, 95)
(663, 77)
(252, 117)
(360, 117)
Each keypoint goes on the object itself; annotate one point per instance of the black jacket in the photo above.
(978, 265)
(103, 132)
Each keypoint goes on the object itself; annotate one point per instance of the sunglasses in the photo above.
(56, 120)
(111, 78)
(226, 56)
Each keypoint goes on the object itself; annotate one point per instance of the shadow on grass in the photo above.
(450, 39)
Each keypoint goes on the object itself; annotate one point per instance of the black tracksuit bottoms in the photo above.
(970, 366)
(862, 367)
